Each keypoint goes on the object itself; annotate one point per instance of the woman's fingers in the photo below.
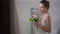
(36, 24)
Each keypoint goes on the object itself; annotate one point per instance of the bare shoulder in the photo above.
(47, 17)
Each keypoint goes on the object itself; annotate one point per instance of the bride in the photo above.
(44, 24)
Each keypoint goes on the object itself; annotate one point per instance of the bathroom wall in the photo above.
(23, 11)
(55, 17)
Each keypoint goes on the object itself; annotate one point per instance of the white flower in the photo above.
(34, 16)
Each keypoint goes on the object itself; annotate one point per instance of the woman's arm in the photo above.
(46, 28)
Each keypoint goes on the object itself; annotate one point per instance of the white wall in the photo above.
(23, 9)
(54, 12)
(24, 12)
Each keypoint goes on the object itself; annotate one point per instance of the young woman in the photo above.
(44, 24)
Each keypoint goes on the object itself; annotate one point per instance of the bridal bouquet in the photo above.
(34, 18)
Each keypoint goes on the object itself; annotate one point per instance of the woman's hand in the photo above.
(36, 24)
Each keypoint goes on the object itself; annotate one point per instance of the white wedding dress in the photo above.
(43, 24)
(39, 31)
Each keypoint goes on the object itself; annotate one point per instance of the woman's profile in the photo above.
(45, 22)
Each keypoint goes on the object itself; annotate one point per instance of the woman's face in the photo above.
(42, 7)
